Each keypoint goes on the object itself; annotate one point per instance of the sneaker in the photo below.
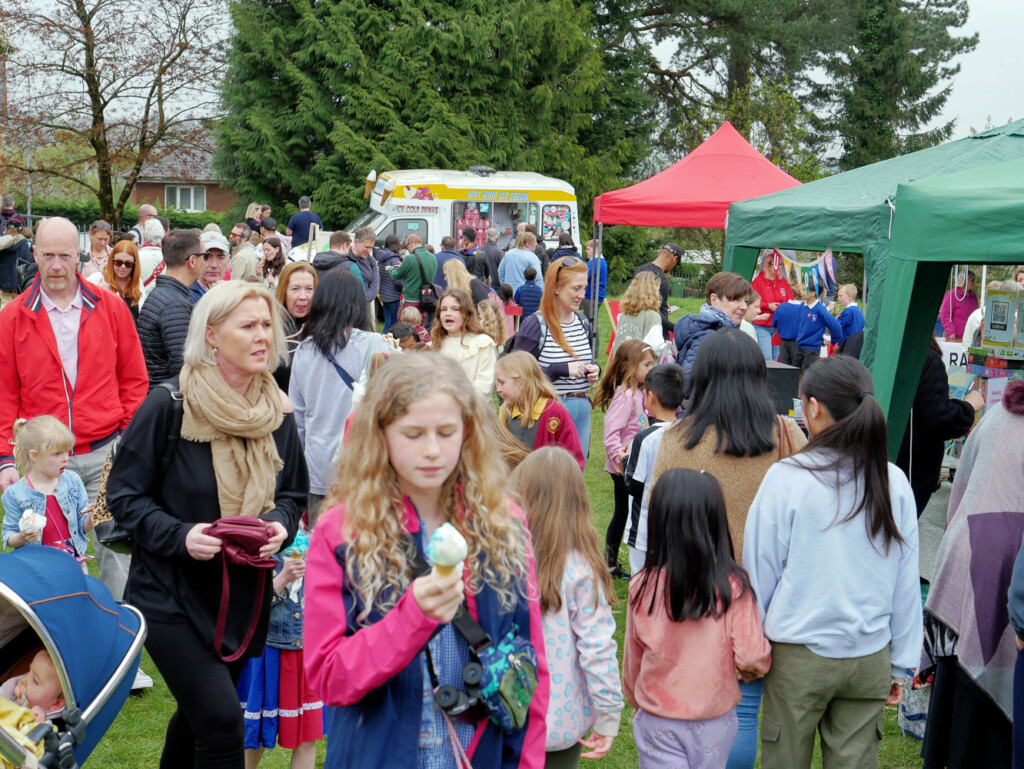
(618, 572)
(142, 681)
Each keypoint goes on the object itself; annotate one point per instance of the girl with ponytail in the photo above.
(832, 551)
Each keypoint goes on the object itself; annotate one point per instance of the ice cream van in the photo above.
(433, 203)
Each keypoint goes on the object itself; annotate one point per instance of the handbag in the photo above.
(241, 537)
(785, 440)
(106, 528)
(429, 292)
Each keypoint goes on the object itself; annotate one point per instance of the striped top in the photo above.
(552, 352)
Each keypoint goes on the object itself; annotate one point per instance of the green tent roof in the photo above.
(974, 216)
(849, 211)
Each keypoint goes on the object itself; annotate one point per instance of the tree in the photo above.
(117, 84)
(317, 94)
(893, 79)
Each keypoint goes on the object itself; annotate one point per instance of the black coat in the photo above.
(935, 419)
(18, 252)
(163, 326)
(165, 583)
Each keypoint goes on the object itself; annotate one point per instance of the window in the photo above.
(403, 228)
(557, 219)
(185, 198)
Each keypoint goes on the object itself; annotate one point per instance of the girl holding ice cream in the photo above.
(377, 656)
(49, 505)
(279, 706)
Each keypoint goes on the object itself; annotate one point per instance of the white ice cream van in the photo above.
(432, 204)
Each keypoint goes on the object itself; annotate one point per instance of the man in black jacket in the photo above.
(163, 319)
(492, 253)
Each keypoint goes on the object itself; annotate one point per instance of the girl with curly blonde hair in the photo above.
(378, 639)
(639, 307)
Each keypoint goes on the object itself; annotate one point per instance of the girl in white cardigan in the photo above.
(458, 334)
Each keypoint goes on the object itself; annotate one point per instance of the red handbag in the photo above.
(241, 537)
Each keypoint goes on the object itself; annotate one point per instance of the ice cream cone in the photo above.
(371, 179)
(389, 187)
(444, 571)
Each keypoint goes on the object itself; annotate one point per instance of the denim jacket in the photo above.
(71, 496)
(285, 631)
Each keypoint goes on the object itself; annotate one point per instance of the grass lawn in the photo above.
(135, 739)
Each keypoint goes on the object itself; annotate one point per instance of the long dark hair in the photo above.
(692, 546)
(844, 387)
(338, 306)
(729, 394)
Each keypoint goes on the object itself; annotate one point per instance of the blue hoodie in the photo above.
(813, 321)
(691, 330)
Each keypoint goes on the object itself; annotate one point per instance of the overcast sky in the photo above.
(990, 83)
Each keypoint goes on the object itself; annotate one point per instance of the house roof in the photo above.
(192, 165)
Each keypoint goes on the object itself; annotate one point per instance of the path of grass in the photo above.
(136, 737)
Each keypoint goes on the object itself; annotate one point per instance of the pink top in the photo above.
(623, 420)
(955, 310)
(687, 670)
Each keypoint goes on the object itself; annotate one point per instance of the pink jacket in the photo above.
(687, 670)
(349, 664)
(623, 420)
(954, 312)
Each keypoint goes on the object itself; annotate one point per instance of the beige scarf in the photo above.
(239, 430)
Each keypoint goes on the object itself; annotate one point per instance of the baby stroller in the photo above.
(94, 642)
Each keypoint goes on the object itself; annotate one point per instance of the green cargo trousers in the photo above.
(842, 699)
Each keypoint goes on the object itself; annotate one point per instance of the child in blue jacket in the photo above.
(851, 319)
(528, 295)
(786, 321)
(814, 319)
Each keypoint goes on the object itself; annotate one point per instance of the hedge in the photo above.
(84, 212)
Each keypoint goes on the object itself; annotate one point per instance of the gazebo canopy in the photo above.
(852, 211)
(696, 191)
(975, 216)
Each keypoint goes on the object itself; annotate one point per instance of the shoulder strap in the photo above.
(419, 266)
(345, 376)
(543, 332)
(174, 431)
(463, 621)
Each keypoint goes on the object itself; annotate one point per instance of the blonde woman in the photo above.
(253, 216)
(239, 455)
(457, 276)
(639, 309)
(375, 632)
(492, 320)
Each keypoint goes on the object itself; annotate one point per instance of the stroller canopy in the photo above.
(93, 641)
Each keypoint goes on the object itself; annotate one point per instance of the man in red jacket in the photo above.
(70, 350)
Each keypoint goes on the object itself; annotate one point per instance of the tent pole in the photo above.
(596, 287)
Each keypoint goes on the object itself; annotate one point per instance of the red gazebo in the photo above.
(696, 191)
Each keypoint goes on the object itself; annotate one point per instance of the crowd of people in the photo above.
(774, 589)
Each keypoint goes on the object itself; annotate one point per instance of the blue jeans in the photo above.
(744, 749)
(390, 314)
(764, 340)
(579, 410)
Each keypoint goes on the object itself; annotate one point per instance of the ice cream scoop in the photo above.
(371, 179)
(299, 546)
(31, 522)
(447, 549)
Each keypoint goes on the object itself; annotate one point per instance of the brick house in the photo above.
(191, 185)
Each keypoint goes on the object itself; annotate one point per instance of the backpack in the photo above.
(429, 292)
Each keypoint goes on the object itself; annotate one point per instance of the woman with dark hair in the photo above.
(731, 431)
(565, 247)
(561, 339)
(273, 262)
(295, 292)
(832, 553)
(390, 289)
(326, 367)
(934, 419)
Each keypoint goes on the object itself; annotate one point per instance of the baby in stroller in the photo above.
(39, 689)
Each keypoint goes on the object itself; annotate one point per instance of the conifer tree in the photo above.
(319, 92)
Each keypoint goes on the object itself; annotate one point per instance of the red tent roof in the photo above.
(696, 191)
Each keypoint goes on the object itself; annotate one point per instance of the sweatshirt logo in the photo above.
(553, 425)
